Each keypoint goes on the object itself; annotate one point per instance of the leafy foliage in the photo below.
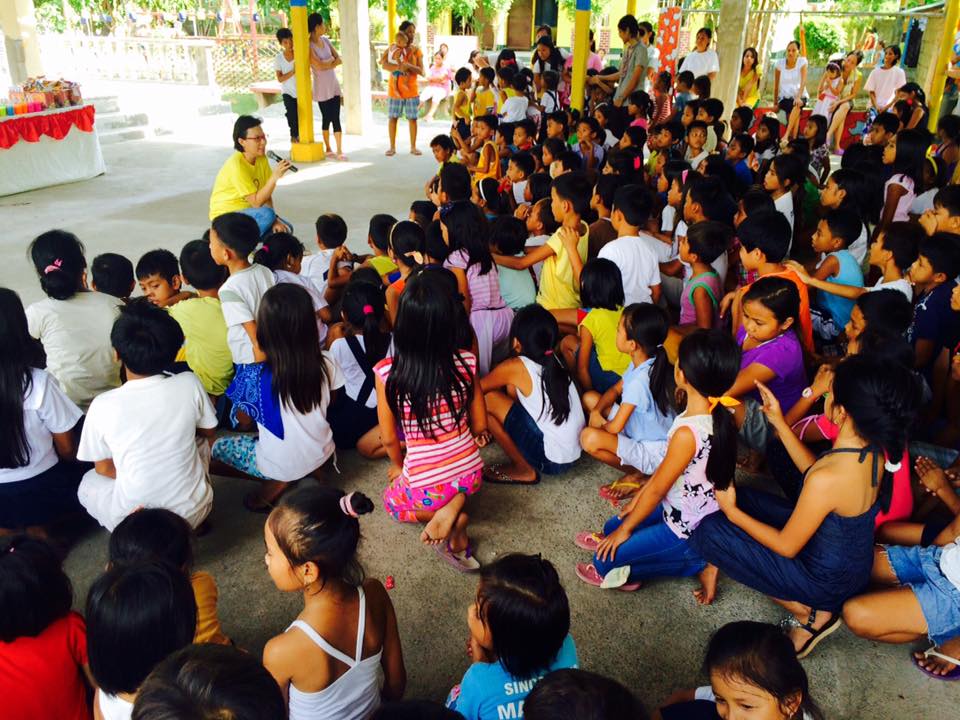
(823, 39)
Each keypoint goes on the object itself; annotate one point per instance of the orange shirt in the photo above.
(405, 86)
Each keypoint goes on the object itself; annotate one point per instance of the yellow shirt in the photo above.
(484, 103)
(461, 106)
(556, 280)
(208, 622)
(752, 77)
(236, 180)
(205, 341)
(602, 324)
(383, 265)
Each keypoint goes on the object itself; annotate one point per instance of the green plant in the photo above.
(597, 8)
(823, 39)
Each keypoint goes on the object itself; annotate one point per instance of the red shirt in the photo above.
(42, 677)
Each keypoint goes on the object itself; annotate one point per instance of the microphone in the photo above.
(276, 158)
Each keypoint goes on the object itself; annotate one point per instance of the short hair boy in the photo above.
(932, 274)
(112, 274)
(632, 252)
(329, 268)
(945, 215)
(159, 276)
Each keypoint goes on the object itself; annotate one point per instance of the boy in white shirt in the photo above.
(150, 438)
(326, 268)
(631, 253)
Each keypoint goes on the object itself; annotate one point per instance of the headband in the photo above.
(683, 177)
(346, 507)
(724, 400)
(53, 267)
(480, 190)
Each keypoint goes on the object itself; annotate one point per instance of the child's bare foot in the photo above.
(438, 529)
(624, 488)
(707, 591)
(938, 664)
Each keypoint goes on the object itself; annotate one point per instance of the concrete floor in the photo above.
(155, 195)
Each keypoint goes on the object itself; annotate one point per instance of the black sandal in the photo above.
(815, 635)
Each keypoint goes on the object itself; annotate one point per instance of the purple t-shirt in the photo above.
(783, 355)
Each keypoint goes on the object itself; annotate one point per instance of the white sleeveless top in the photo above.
(352, 696)
(113, 707)
(561, 443)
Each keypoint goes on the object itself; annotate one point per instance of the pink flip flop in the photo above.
(588, 574)
(587, 540)
(462, 561)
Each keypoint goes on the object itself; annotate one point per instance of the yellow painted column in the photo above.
(581, 51)
(946, 52)
(391, 20)
(632, 7)
(306, 150)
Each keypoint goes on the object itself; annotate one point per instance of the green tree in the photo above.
(823, 39)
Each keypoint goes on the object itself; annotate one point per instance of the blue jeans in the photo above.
(653, 550)
(265, 217)
(919, 569)
(528, 437)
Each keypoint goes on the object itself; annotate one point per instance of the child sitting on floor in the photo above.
(508, 236)
(158, 274)
(378, 238)
(112, 274)
(835, 232)
(329, 268)
(704, 242)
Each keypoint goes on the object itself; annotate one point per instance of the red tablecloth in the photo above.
(55, 125)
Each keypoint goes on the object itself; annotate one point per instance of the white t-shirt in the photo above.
(148, 427)
(784, 204)
(514, 109)
(319, 303)
(113, 707)
(858, 248)
(317, 267)
(706, 693)
(609, 139)
(790, 78)
(537, 241)
(550, 101)
(950, 563)
(307, 439)
(884, 82)
(46, 410)
(283, 66)
(353, 376)
(239, 299)
(519, 188)
(638, 265)
(561, 443)
(903, 285)
(923, 202)
(668, 219)
(700, 63)
(76, 337)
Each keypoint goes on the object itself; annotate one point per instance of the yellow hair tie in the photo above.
(724, 400)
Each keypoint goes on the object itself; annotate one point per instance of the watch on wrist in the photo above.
(807, 393)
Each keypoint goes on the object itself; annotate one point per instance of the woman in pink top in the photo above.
(326, 88)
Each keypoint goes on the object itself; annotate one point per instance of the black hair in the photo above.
(368, 275)
(136, 616)
(887, 310)
(942, 252)
(637, 135)
(696, 125)
(489, 120)
(405, 25)
(550, 223)
(629, 24)
(241, 126)
(714, 166)
(712, 107)
(462, 75)
(820, 138)
(685, 78)
(768, 231)
(949, 125)
(152, 535)
(379, 230)
(601, 285)
(895, 49)
(310, 525)
(673, 171)
(845, 224)
(570, 161)
(626, 164)
(508, 235)
(455, 181)
(708, 240)
(525, 608)
(911, 153)
(560, 116)
(287, 334)
(414, 710)
(710, 362)
(423, 212)
(206, 681)
(882, 399)
(867, 159)
(712, 196)
(539, 184)
(882, 345)
(529, 127)
(693, 106)
(606, 188)
(536, 329)
(467, 230)
(760, 655)
(434, 246)
(860, 194)
(284, 34)
(902, 239)
(551, 79)
(948, 198)
(524, 162)
(575, 189)
(555, 146)
(702, 87)
(757, 200)
(489, 191)
(488, 73)
(21, 353)
(789, 168)
(276, 248)
(363, 306)
(113, 274)
(145, 337)
(614, 118)
(634, 203)
(888, 121)
(772, 125)
(58, 258)
(198, 267)
(428, 368)
(237, 231)
(746, 116)
(777, 294)
(647, 325)
(642, 100)
(34, 590)
(331, 229)
(573, 694)
(444, 142)
(406, 238)
(315, 19)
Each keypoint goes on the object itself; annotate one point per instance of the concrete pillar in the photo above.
(19, 26)
(581, 52)
(355, 52)
(940, 71)
(731, 35)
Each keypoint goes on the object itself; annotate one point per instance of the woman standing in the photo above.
(790, 87)
(326, 88)
(883, 84)
(852, 84)
(633, 62)
(438, 85)
(748, 88)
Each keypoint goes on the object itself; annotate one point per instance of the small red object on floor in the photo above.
(389, 584)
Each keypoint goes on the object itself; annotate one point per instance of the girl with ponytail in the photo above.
(812, 557)
(357, 344)
(650, 538)
(405, 246)
(311, 539)
(533, 409)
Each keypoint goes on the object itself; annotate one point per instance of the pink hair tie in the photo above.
(368, 309)
(548, 353)
(636, 163)
(683, 176)
(53, 267)
(266, 248)
(346, 507)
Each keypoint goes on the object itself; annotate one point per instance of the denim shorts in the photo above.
(919, 569)
(602, 380)
(528, 437)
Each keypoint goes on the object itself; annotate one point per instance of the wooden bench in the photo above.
(266, 93)
(854, 119)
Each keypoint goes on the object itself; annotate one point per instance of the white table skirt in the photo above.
(29, 166)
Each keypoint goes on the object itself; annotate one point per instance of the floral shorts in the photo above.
(402, 501)
(240, 452)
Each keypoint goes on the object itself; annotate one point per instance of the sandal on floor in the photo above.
(495, 475)
(463, 561)
(626, 487)
(588, 574)
(254, 503)
(932, 652)
(816, 636)
(415, 151)
(390, 153)
(341, 157)
(588, 540)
